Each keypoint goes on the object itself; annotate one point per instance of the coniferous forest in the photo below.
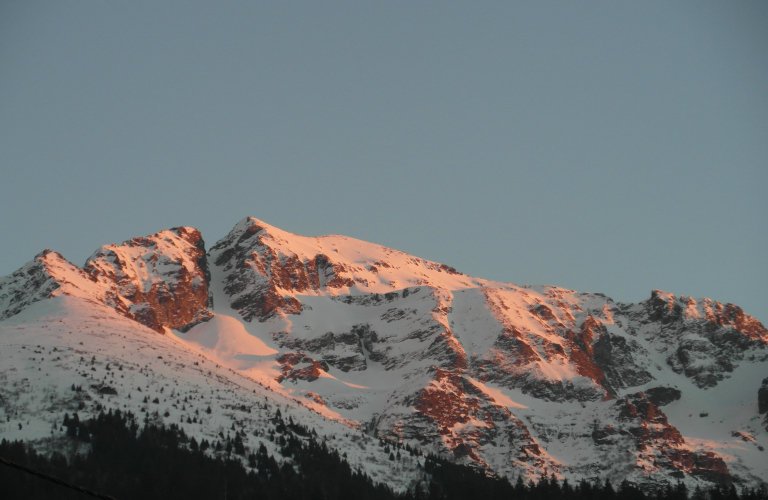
(129, 461)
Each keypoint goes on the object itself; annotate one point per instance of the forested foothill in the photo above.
(127, 459)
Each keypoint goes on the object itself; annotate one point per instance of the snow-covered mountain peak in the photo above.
(161, 280)
(290, 265)
(48, 275)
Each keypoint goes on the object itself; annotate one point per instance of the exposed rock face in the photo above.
(159, 280)
(398, 333)
(516, 353)
(662, 396)
(343, 350)
(47, 275)
(266, 278)
(647, 423)
(703, 339)
(613, 354)
(658, 445)
(451, 410)
(297, 366)
(709, 466)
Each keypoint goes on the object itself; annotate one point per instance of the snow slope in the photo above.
(66, 341)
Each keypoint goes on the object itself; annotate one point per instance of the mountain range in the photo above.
(368, 345)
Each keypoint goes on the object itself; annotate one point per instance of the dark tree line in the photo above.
(130, 461)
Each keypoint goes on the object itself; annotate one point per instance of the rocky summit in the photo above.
(367, 344)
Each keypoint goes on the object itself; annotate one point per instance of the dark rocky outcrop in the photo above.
(662, 396)
(340, 350)
(647, 423)
(105, 390)
(298, 366)
(650, 431)
(705, 340)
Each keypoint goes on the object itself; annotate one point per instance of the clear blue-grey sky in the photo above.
(608, 146)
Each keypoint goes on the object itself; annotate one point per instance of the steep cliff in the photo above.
(159, 280)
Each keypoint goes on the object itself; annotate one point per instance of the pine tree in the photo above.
(698, 494)
(82, 433)
(608, 493)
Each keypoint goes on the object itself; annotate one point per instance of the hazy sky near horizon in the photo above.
(616, 147)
